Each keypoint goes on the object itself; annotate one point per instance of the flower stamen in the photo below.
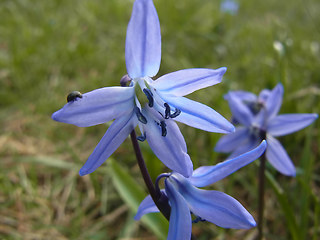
(176, 113)
(142, 137)
(163, 126)
(140, 116)
(198, 219)
(149, 95)
(167, 111)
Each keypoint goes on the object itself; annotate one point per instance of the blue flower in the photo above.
(206, 205)
(151, 105)
(229, 6)
(259, 119)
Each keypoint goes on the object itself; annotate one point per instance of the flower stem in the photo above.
(261, 195)
(262, 167)
(163, 206)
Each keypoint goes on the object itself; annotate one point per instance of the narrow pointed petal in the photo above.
(213, 206)
(96, 107)
(145, 207)
(240, 111)
(115, 135)
(288, 123)
(242, 95)
(274, 101)
(206, 175)
(180, 225)
(186, 81)
(231, 141)
(170, 149)
(220, 209)
(199, 115)
(279, 158)
(143, 42)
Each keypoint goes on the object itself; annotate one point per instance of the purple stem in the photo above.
(261, 195)
(163, 206)
(261, 189)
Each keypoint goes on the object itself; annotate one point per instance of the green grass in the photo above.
(49, 48)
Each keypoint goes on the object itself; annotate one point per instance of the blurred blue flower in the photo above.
(152, 105)
(206, 205)
(258, 120)
(229, 6)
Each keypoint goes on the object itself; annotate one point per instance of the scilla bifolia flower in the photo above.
(229, 6)
(152, 105)
(186, 199)
(259, 120)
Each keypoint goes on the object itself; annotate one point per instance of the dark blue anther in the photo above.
(234, 121)
(140, 117)
(163, 126)
(149, 95)
(176, 113)
(142, 137)
(255, 107)
(167, 111)
(198, 219)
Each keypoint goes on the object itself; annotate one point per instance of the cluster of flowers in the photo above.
(155, 105)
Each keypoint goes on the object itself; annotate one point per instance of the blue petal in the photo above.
(145, 207)
(242, 95)
(213, 206)
(199, 115)
(115, 135)
(289, 123)
(170, 149)
(240, 111)
(206, 175)
(96, 107)
(143, 42)
(180, 225)
(274, 101)
(186, 81)
(279, 158)
(231, 141)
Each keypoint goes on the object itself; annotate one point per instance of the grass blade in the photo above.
(131, 192)
(285, 205)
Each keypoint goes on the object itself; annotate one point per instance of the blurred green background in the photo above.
(49, 48)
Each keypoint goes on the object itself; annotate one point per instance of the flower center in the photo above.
(146, 97)
(255, 107)
(140, 91)
(258, 132)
